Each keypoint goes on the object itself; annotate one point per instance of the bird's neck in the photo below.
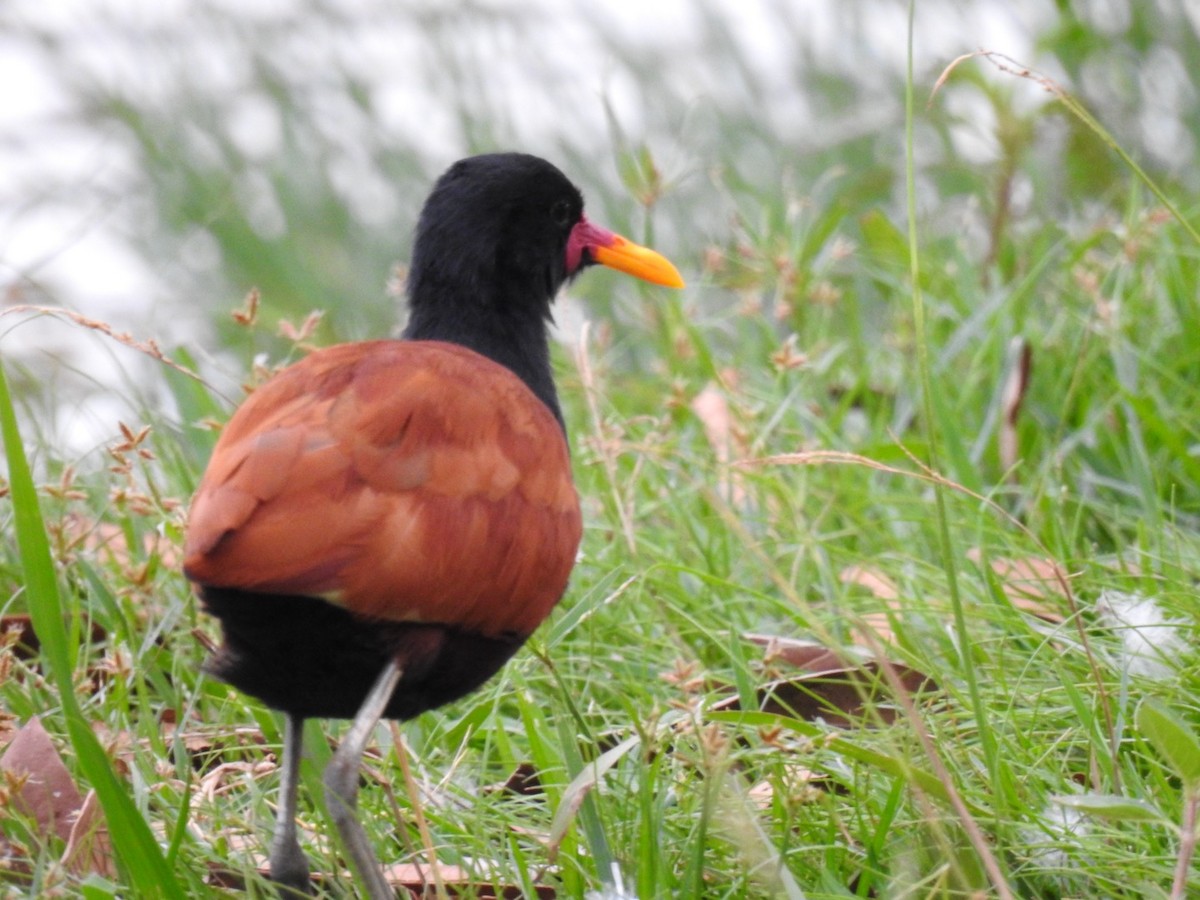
(518, 342)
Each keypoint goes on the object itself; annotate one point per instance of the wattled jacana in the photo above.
(383, 524)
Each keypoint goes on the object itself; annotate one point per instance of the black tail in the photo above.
(310, 658)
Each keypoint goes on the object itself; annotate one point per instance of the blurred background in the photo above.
(160, 159)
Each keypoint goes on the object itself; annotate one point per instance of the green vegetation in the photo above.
(800, 446)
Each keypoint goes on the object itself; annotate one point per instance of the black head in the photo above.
(495, 231)
(498, 236)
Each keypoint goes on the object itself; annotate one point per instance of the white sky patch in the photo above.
(1152, 643)
(73, 202)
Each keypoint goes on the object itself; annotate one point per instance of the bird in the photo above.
(384, 523)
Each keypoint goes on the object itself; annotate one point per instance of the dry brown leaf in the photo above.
(712, 409)
(814, 658)
(1015, 387)
(523, 782)
(873, 580)
(230, 775)
(201, 741)
(413, 880)
(836, 687)
(881, 586)
(842, 699)
(39, 784)
(418, 880)
(762, 794)
(880, 625)
(89, 847)
(1028, 581)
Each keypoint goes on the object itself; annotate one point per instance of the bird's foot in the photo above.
(289, 871)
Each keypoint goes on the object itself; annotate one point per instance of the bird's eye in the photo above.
(560, 212)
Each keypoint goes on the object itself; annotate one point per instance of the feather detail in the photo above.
(406, 481)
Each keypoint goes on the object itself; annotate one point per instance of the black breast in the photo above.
(310, 658)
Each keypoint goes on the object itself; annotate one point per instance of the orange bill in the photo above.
(590, 243)
(640, 262)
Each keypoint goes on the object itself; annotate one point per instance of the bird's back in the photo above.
(408, 497)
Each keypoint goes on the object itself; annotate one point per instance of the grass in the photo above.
(844, 481)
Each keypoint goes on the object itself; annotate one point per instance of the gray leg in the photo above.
(289, 867)
(341, 783)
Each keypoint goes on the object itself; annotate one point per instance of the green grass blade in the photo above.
(138, 852)
(1112, 808)
(1173, 738)
(889, 764)
(934, 437)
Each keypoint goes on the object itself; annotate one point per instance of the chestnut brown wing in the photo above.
(409, 481)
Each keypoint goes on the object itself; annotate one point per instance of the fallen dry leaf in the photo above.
(1015, 387)
(1027, 582)
(523, 782)
(418, 880)
(230, 775)
(833, 686)
(880, 624)
(39, 784)
(881, 586)
(89, 847)
(712, 409)
(413, 880)
(873, 580)
(205, 743)
(814, 658)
